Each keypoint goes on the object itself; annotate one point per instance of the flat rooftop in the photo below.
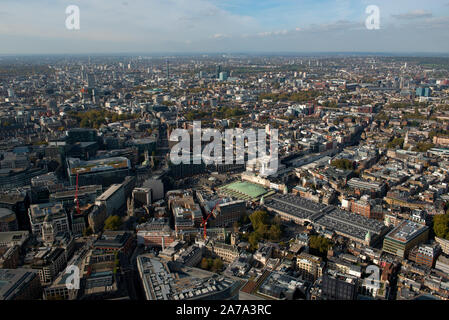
(296, 206)
(12, 280)
(171, 281)
(244, 190)
(13, 237)
(109, 192)
(326, 216)
(80, 166)
(406, 231)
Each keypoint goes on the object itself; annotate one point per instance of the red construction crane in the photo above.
(205, 220)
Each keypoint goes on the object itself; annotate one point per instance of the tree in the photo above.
(253, 240)
(262, 231)
(343, 164)
(85, 123)
(275, 232)
(258, 218)
(423, 146)
(264, 228)
(113, 223)
(217, 265)
(204, 264)
(395, 143)
(319, 244)
(441, 225)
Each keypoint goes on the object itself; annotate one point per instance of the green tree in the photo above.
(85, 123)
(343, 164)
(423, 146)
(441, 225)
(113, 223)
(275, 232)
(258, 218)
(253, 240)
(395, 143)
(217, 265)
(204, 264)
(319, 244)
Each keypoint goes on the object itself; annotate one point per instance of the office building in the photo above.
(48, 262)
(223, 76)
(423, 92)
(444, 244)
(190, 256)
(155, 233)
(442, 263)
(404, 237)
(48, 214)
(309, 266)
(142, 196)
(101, 171)
(338, 286)
(13, 238)
(112, 199)
(226, 252)
(86, 194)
(81, 135)
(281, 286)
(427, 254)
(367, 187)
(116, 241)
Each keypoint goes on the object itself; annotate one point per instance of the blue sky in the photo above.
(112, 26)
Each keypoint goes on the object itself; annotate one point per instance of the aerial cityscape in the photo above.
(224, 176)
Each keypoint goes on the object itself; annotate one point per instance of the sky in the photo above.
(223, 26)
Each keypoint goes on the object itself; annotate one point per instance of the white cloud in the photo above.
(206, 25)
(416, 14)
(220, 36)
